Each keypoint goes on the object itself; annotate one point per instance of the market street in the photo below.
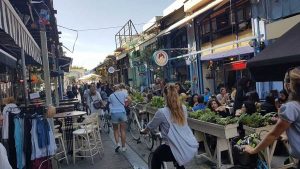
(150, 84)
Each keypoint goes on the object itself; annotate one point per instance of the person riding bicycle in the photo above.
(179, 144)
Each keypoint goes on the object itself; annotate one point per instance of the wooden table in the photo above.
(64, 108)
(68, 128)
(69, 102)
(70, 114)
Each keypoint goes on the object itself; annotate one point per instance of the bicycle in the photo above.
(157, 135)
(137, 121)
(105, 121)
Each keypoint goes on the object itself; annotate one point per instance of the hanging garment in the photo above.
(38, 152)
(9, 108)
(19, 142)
(4, 164)
(42, 130)
(38, 163)
(12, 155)
(27, 143)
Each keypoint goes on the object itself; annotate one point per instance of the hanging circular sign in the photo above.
(111, 70)
(161, 58)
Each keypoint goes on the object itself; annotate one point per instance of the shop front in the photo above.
(223, 37)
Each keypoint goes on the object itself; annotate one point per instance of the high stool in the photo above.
(93, 123)
(59, 138)
(83, 142)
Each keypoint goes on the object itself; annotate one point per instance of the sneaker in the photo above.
(117, 148)
(123, 149)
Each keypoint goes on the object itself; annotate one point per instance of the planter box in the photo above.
(220, 131)
(263, 130)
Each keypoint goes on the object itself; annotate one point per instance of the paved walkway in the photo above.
(111, 160)
(136, 157)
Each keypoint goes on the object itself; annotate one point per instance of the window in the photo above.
(214, 24)
(205, 27)
(240, 15)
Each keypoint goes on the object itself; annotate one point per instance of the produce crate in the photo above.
(220, 131)
(251, 130)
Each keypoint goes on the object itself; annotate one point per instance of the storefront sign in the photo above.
(111, 70)
(161, 58)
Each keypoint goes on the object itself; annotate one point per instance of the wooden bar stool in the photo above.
(59, 137)
(84, 144)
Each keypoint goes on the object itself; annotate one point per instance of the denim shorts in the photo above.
(117, 118)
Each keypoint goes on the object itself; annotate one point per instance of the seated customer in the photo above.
(268, 106)
(282, 98)
(200, 105)
(70, 94)
(216, 106)
(194, 100)
(248, 108)
(223, 97)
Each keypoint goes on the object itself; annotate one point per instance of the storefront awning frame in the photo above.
(11, 23)
(215, 47)
(189, 18)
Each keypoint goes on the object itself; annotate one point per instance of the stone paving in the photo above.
(136, 157)
(111, 160)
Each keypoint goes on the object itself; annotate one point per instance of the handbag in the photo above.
(127, 109)
(98, 104)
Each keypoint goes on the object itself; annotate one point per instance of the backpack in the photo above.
(182, 142)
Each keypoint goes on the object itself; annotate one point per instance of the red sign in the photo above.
(238, 65)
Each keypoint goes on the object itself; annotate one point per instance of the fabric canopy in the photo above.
(7, 59)
(233, 52)
(272, 63)
(11, 24)
(90, 77)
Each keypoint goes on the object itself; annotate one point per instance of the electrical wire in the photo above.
(96, 29)
(85, 30)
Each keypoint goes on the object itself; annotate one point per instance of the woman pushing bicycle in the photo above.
(180, 145)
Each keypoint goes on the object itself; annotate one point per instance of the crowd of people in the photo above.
(239, 100)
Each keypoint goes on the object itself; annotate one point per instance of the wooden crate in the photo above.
(220, 131)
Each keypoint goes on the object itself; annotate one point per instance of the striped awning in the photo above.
(11, 23)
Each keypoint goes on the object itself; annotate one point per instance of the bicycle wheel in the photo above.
(134, 130)
(106, 127)
(148, 139)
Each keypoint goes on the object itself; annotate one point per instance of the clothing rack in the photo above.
(32, 112)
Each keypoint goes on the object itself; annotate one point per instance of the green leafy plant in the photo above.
(157, 102)
(256, 120)
(208, 116)
(138, 97)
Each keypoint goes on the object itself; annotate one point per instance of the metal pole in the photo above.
(24, 77)
(55, 78)
(46, 65)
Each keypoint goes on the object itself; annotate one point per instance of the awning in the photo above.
(11, 24)
(188, 18)
(272, 63)
(121, 56)
(7, 59)
(233, 52)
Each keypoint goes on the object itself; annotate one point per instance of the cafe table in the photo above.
(68, 128)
